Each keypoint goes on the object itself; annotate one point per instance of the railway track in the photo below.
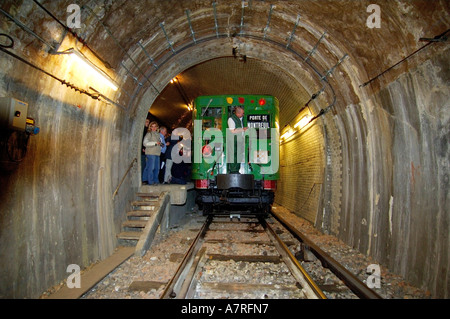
(228, 248)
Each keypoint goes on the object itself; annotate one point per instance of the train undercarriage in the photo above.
(236, 192)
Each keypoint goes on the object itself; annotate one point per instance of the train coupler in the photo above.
(232, 215)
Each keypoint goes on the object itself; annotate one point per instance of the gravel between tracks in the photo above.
(160, 263)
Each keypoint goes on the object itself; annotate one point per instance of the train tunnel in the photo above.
(372, 168)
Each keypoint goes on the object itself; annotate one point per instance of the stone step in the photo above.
(149, 195)
(131, 235)
(151, 202)
(143, 220)
(141, 213)
(134, 223)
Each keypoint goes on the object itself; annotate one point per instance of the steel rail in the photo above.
(170, 292)
(311, 289)
(355, 285)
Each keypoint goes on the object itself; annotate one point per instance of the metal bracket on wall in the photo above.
(148, 55)
(190, 26)
(216, 27)
(293, 32)
(167, 37)
(330, 71)
(122, 48)
(131, 74)
(268, 20)
(314, 49)
(244, 4)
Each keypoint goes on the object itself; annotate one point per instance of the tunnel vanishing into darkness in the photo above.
(372, 169)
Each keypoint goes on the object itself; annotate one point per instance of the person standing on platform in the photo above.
(163, 136)
(143, 157)
(169, 162)
(180, 171)
(152, 144)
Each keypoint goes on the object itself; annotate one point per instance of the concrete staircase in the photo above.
(148, 212)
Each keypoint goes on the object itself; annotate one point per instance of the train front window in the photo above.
(212, 118)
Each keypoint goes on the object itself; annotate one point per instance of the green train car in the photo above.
(235, 166)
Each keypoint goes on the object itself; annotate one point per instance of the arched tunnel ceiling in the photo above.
(228, 75)
(126, 34)
(161, 30)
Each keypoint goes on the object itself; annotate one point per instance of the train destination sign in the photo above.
(258, 120)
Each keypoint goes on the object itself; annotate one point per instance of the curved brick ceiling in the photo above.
(228, 75)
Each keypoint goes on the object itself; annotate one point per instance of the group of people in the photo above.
(158, 166)
(157, 163)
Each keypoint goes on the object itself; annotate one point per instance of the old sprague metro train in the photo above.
(250, 191)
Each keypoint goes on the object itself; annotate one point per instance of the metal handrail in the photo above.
(123, 178)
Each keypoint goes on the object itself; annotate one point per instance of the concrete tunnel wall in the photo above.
(373, 171)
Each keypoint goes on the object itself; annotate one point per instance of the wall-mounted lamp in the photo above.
(287, 134)
(92, 68)
(303, 122)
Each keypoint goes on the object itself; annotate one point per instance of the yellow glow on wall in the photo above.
(92, 70)
(287, 134)
(303, 122)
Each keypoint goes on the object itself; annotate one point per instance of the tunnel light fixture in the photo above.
(100, 75)
(303, 122)
(287, 134)
(173, 80)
